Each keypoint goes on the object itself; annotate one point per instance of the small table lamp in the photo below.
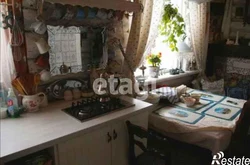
(183, 50)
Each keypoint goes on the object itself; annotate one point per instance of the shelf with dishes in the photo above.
(121, 5)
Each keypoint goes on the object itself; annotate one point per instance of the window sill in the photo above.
(168, 77)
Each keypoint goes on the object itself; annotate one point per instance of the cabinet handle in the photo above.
(114, 134)
(109, 137)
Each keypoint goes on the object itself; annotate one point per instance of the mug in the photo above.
(42, 46)
(58, 12)
(32, 102)
(80, 14)
(45, 75)
(71, 12)
(92, 12)
(110, 14)
(102, 14)
(39, 27)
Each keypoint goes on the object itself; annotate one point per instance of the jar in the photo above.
(76, 93)
(68, 96)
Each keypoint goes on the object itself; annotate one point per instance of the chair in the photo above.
(153, 154)
(237, 146)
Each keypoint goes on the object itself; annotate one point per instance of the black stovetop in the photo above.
(89, 108)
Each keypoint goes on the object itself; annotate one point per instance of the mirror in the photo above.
(74, 49)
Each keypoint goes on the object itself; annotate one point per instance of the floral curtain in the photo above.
(199, 30)
(7, 67)
(139, 34)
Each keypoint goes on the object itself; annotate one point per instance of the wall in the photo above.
(236, 19)
(30, 13)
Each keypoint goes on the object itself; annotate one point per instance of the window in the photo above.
(170, 60)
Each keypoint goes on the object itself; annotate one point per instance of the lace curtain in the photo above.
(199, 30)
(7, 67)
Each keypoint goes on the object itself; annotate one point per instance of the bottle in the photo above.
(12, 103)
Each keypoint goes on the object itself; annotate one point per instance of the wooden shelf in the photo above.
(106, 4)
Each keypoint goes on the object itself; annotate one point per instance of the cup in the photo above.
(102, 14)
(80, 14)
(189, 101)
(92, 12)
(42, 46)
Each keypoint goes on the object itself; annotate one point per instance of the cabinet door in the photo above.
(90, 149)
(99, 151)
(73, 151)
(120, 143)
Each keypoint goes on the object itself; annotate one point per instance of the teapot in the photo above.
(112, 82)
(64, 69)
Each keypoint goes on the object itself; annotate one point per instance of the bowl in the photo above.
(189, 101)
(196, 97)
(153, 98)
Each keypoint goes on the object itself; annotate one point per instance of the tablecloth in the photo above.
(210, 132)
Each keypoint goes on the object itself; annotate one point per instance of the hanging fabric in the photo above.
(199, 29)
(7, 67)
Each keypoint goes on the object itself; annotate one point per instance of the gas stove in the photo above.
(89, 108)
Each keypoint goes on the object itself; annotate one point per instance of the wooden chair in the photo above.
(153, 154)
(239, 138)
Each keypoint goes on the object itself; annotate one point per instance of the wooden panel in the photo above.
(107, 4)
(99, 149)
(120, 144)
(74, 152)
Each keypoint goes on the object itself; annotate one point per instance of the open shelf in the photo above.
(106, 4)
(48, 155)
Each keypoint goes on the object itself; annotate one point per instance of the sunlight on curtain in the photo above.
(199, 28)
(7, 68)
(155, 42)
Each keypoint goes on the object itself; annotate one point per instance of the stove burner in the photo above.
(89, 108)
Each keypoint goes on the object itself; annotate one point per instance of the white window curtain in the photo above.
(155, 42)
(199, 29)
(196, 17)
(138, 38)
(7, 67)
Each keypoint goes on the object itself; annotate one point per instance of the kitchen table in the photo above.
(209, 124)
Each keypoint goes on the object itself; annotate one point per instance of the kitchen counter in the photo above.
(45, 128)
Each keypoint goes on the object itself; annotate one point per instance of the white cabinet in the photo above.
(107, 145)
(99, 149)
(73, 151)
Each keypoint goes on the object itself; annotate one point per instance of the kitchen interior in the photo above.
(80, 80)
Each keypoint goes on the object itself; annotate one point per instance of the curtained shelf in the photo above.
(106, 4)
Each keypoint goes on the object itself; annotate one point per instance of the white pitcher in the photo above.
(32, 102)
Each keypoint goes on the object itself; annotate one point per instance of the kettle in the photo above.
(64, 69)
(112, 84)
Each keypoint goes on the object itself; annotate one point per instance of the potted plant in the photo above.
(154, 60)
(172, 26)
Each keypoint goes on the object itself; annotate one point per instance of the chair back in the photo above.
(239, 137)
(134, 130)
(243, 123)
